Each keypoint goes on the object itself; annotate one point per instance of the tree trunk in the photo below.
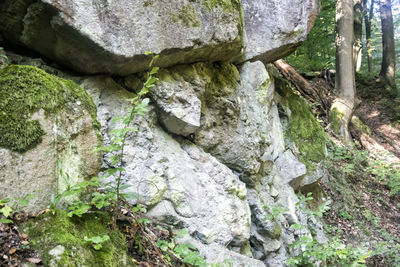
(357, 45)
(368, 18)
(303, 86)
(387, 74)
(342, 108)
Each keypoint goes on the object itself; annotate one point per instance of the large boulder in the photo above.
(113, 36)
(48, 131)
(178, 182)
(274, 28)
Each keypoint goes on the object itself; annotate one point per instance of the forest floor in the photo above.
(364, 183)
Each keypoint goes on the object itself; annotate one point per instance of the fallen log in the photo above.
(302, 85)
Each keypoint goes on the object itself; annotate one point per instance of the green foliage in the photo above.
(333, 253)
(2, 54)
(25, 90)
(97, 241)
(355, 163)
(275, 212)
(47, 231)
(186, 252)
(318, 51)
(7, 209)
(313, 253)
(112, 193)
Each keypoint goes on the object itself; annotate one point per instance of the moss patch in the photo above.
(188, 15)
(226, 5)
(304, 129)
(25, 90)
(50, 233)
(335, 117)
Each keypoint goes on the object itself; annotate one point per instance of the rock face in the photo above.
(225, 145)
(274, 28)
(178, 181)
(47, 125)
(113, 36)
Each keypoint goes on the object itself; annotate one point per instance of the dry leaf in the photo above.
(12, 250)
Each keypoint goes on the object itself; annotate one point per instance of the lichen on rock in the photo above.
(25, 90)
(59, 240)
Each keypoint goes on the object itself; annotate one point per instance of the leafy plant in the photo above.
(97, 241)
(186, 252)
(7, 209)
(2, 53)
(312, 253)
(139, 107)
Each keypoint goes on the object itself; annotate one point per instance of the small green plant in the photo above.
(97, 241)
(112, 192)
(7, 209)
(275, 212)
(186, 252)
(312, 253)
(2, 53)
(345, 215)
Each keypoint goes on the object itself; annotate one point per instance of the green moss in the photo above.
(222, 79)
(304, 129)
(188, 15)
(49, 231)
(226, 5)
(25, 90)
(335, 117)
(360, 125)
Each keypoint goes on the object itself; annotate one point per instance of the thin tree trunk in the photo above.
(357, 45)
(342, 108)
(387, 74)
(368, 18)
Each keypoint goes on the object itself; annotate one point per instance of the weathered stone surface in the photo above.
(57, 132)
(113, 36)
(233, 125)
(177, 98)
(274, 28)
(291, 169)
(216, 253)
(179, 182)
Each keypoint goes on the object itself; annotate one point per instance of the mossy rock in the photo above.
(47, 124)
(304, 129)
(59, 240)
(25, 90)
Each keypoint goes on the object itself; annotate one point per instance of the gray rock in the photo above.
(67, 145)
(216, 253)
(291, 169)
(274, 28)
(178, 181)
(113, 36)
(234, 127)
(177, 99)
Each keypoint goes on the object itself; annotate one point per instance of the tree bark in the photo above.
(357, 45)
(342, 108)
(387, 74)
(302, 85)
(368, 18)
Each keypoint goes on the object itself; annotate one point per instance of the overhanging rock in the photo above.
(274, 28)
(113, 36)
